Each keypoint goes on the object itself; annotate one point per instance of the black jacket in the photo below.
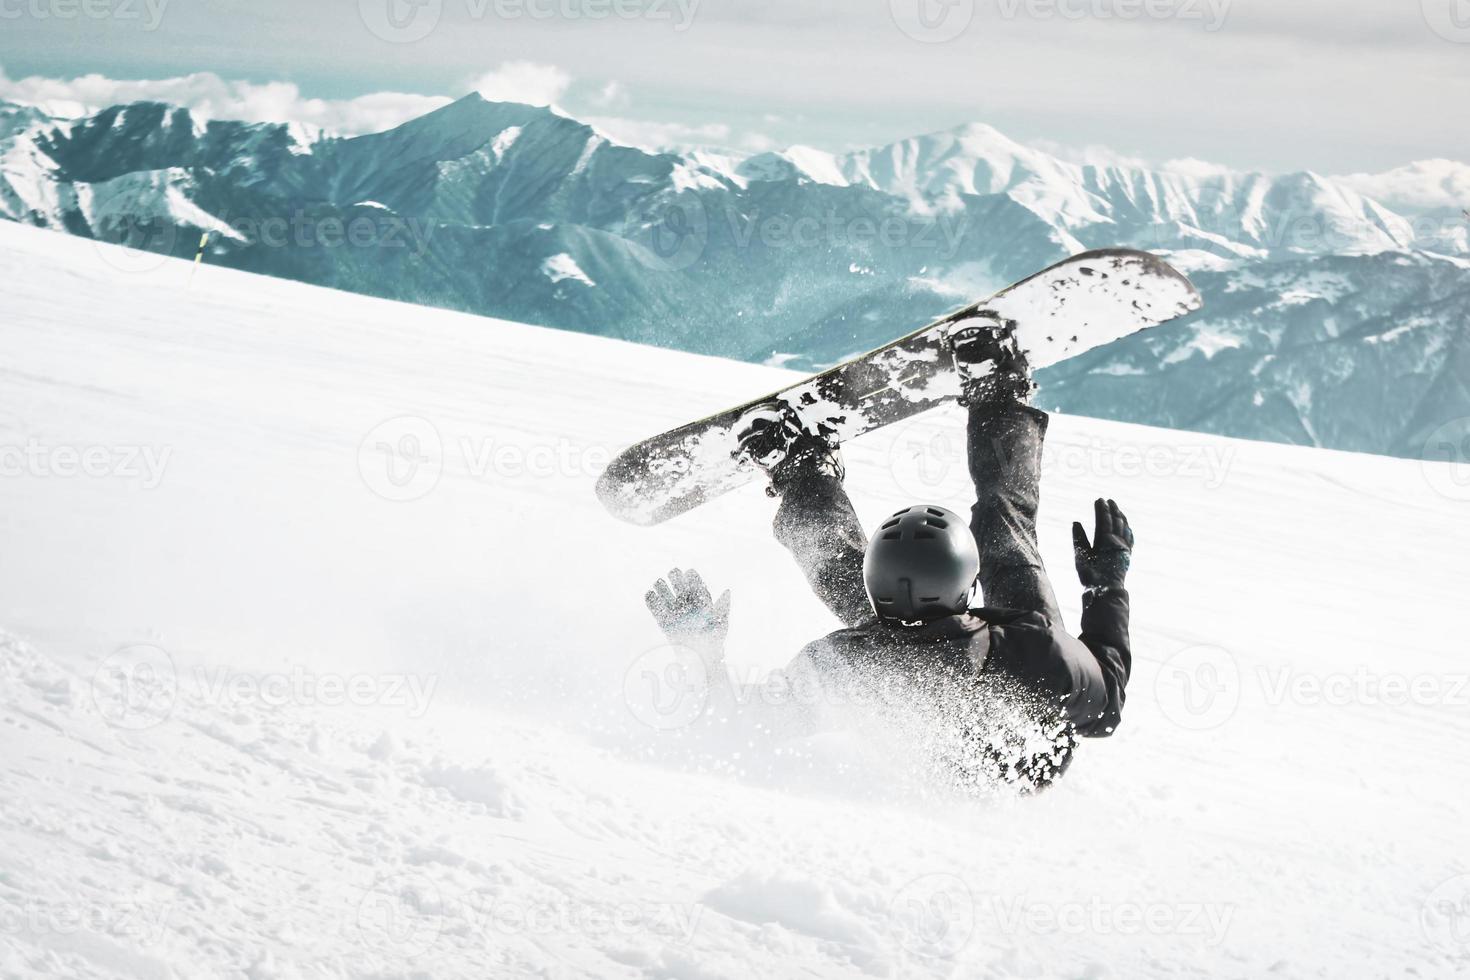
(1085, 677)
(1074, 685)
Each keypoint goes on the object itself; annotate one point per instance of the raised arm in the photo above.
(1102, 565)
(689, 617)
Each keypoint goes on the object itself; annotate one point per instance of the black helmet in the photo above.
(921, 565)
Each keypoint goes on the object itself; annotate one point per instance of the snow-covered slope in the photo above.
(320, 659)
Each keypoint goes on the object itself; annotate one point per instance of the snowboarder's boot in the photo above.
(772, 437)
(991, 365)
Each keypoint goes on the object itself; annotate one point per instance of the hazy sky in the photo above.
(1271, 84)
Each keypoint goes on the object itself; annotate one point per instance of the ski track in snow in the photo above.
(486, 804)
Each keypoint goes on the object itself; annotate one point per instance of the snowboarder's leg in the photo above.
(1005, 437)
(818, 526)
(815, 521)
(1005, 440)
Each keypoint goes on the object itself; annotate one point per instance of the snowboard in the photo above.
(1083, 302)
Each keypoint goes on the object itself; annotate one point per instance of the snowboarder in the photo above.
(905, 597)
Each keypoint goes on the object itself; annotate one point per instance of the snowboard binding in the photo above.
(989, 361)
(772, 437)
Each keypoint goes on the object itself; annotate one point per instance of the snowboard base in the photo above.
(1080, 303)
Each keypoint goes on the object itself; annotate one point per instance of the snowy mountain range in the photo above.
(1333, 318)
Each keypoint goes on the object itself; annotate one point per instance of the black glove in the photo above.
(684, 611)
(1103, 564)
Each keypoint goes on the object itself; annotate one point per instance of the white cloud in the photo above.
(211, 97)
(612, 97)
(660, 136)
(1422, 186)
(524, 81)
(1191, 167)
(1091, 155)
(1102, 156)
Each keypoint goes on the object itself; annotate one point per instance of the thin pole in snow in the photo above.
(198, 257)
